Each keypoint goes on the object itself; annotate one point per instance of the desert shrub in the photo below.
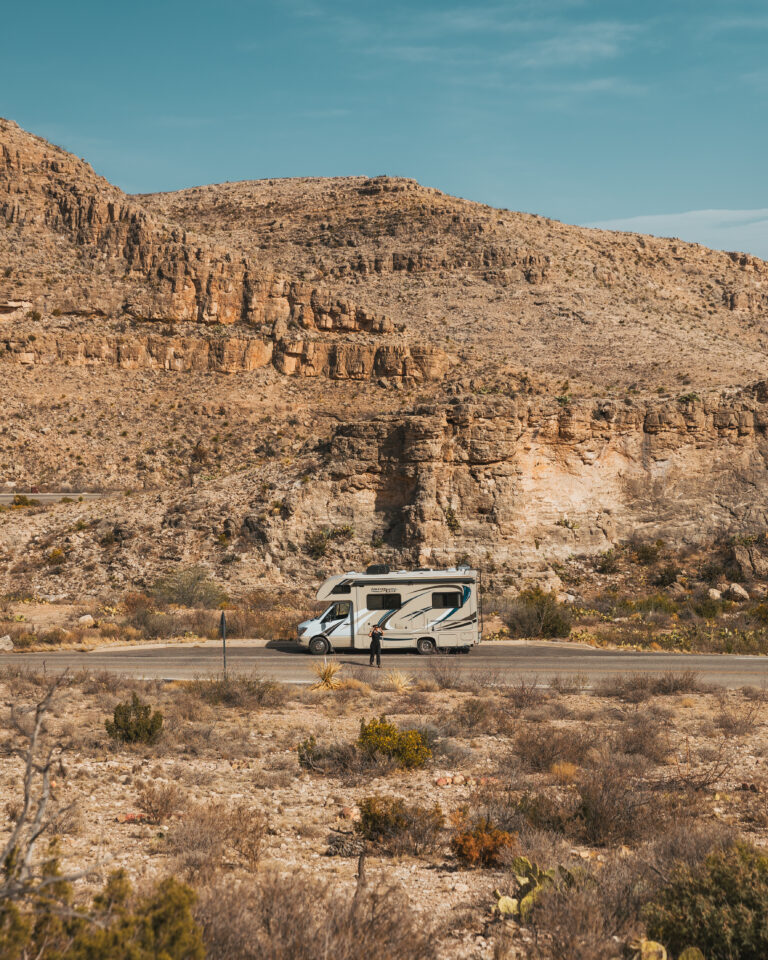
(665, 576)
(642, 734)
(638, 686)
(607, 562)
(406, 747)
(613, 806)
(158, 801)
(644, 552)
(478, 715)
(719, 906)
(239, 691)
(297, 917)
(569, 683)
(541, 745)
(188, 587)
(399, 827)
(537, 613)
(209, 831)
(737, 718)
(342, 760)
(446, 672)
(526, 693)
(656, 603)
(134, 722)
(482, 844)
(116, 923)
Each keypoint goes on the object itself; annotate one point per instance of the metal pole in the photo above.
(223, 631)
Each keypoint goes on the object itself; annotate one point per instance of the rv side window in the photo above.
(337, 612)
(383, 601)
(341, 588)
(444, 601)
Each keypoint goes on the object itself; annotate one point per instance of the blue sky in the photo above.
(590, 112)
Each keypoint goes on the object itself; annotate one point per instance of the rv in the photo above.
(427, 610)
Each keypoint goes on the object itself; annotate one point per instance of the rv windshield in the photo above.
(336, 611)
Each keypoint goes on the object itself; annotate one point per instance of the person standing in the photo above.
(376, 636)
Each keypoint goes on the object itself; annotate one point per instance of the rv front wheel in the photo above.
(318, 646)
(425, 645)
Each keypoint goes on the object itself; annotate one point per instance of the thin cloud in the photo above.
(743, 230)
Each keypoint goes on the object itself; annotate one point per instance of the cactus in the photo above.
(647, 950)
(531, 880)
(691, 953)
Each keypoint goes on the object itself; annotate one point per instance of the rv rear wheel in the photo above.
(425, 645)
(318, 646)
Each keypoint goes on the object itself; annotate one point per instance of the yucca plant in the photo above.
(326, 675)
(400, 682)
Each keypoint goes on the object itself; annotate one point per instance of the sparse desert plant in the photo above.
(399, 827)
(482, 844)
(541, 745)
(134, 722)
(188, 587)
(326, 675)
(158, 800)
(569, 683)
(208, 831)
(719, 906)
(736, 717)
(236, 690)
(398, 681)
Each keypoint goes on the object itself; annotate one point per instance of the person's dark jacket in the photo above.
(376, 636)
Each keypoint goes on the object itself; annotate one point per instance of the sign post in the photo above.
(223, 631)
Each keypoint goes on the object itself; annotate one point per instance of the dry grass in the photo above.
(300, 918)
(158, 800)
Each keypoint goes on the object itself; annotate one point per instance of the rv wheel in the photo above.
(318, 646)
(425, 645)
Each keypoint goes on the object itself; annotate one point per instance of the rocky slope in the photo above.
(293, 377)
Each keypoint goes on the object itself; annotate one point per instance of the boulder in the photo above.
(86, 620)
(737, 592)
(6, 643)
(714, 594)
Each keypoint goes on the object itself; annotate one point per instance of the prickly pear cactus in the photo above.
(647, 950)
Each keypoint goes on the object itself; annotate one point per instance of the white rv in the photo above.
(427, 610)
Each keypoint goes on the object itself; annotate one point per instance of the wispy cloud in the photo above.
(744, 230)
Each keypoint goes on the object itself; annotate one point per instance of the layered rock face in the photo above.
(150, 271)
(295, 358)
(524, 484)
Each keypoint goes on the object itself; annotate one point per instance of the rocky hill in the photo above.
(283, 378)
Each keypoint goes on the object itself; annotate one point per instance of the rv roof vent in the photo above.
(377, 568)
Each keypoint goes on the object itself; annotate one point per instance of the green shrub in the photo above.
(607, 562)
(116, 924)
(482, 845)
(538, 613)
(188, 587)
(407, 747)
(719, 906)
(134, 722)
(399, 828)
(658, 603)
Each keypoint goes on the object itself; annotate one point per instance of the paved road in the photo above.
(43, 498)
(291, 665)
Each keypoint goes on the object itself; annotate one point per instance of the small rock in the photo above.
(6, 643)
(350, 813)
(443, 782)
(459, 778)
(737, 592)
(677, 590)
(714, 594)
(86, 620)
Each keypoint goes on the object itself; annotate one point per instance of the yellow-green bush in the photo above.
(407, 747)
